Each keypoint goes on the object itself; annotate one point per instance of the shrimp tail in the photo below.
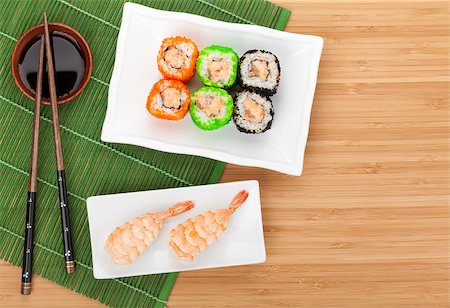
(181, 207)
(175, 210)
(238, 200)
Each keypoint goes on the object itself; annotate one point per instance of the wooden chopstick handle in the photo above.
(67, 235)
(63, 202)
(27, 262)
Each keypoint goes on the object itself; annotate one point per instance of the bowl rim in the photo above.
(32, 34)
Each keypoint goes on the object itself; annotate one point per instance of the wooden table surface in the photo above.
(367, 222)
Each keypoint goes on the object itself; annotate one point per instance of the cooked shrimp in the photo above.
(129, 241)
(260, 68)
(210, 105)
(254, 112)
(175, 57)
(219, 70)
(189, 238)
(171, 98)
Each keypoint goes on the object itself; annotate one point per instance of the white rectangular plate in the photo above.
(135, 71)
(242, 243)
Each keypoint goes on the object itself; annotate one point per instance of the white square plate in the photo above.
(135, 71)
(242, 243)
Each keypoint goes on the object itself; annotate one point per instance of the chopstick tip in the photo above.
(70, 267)
(25, 288)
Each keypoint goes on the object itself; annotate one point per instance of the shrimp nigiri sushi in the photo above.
(196, 234)
(128, 242)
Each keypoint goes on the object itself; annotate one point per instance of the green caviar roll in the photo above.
(217, 66)
(211, 108)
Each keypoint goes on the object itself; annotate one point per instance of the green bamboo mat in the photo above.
(93, 167)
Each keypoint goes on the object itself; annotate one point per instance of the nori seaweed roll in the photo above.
(211, 108)
(259, 70)
(217, 66)
(253, 112)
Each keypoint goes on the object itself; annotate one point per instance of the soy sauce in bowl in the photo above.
(67, 58)
(72, 61)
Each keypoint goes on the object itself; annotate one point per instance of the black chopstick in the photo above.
(27, 262)
(63, 202)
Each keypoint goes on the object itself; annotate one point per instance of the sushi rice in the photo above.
(217, 66)
(211, 108)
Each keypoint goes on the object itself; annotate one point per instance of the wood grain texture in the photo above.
(367, 223)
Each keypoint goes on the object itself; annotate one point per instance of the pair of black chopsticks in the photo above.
(28, 245)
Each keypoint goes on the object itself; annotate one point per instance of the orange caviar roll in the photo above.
(177, 57)
(169, 99)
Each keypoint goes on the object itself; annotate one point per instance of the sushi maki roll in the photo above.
(177, 57)
(211, 108)
(169, 99)
(217, 66)
(253, 112)
(259, 70)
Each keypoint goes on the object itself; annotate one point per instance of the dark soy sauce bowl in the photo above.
(33, 35)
